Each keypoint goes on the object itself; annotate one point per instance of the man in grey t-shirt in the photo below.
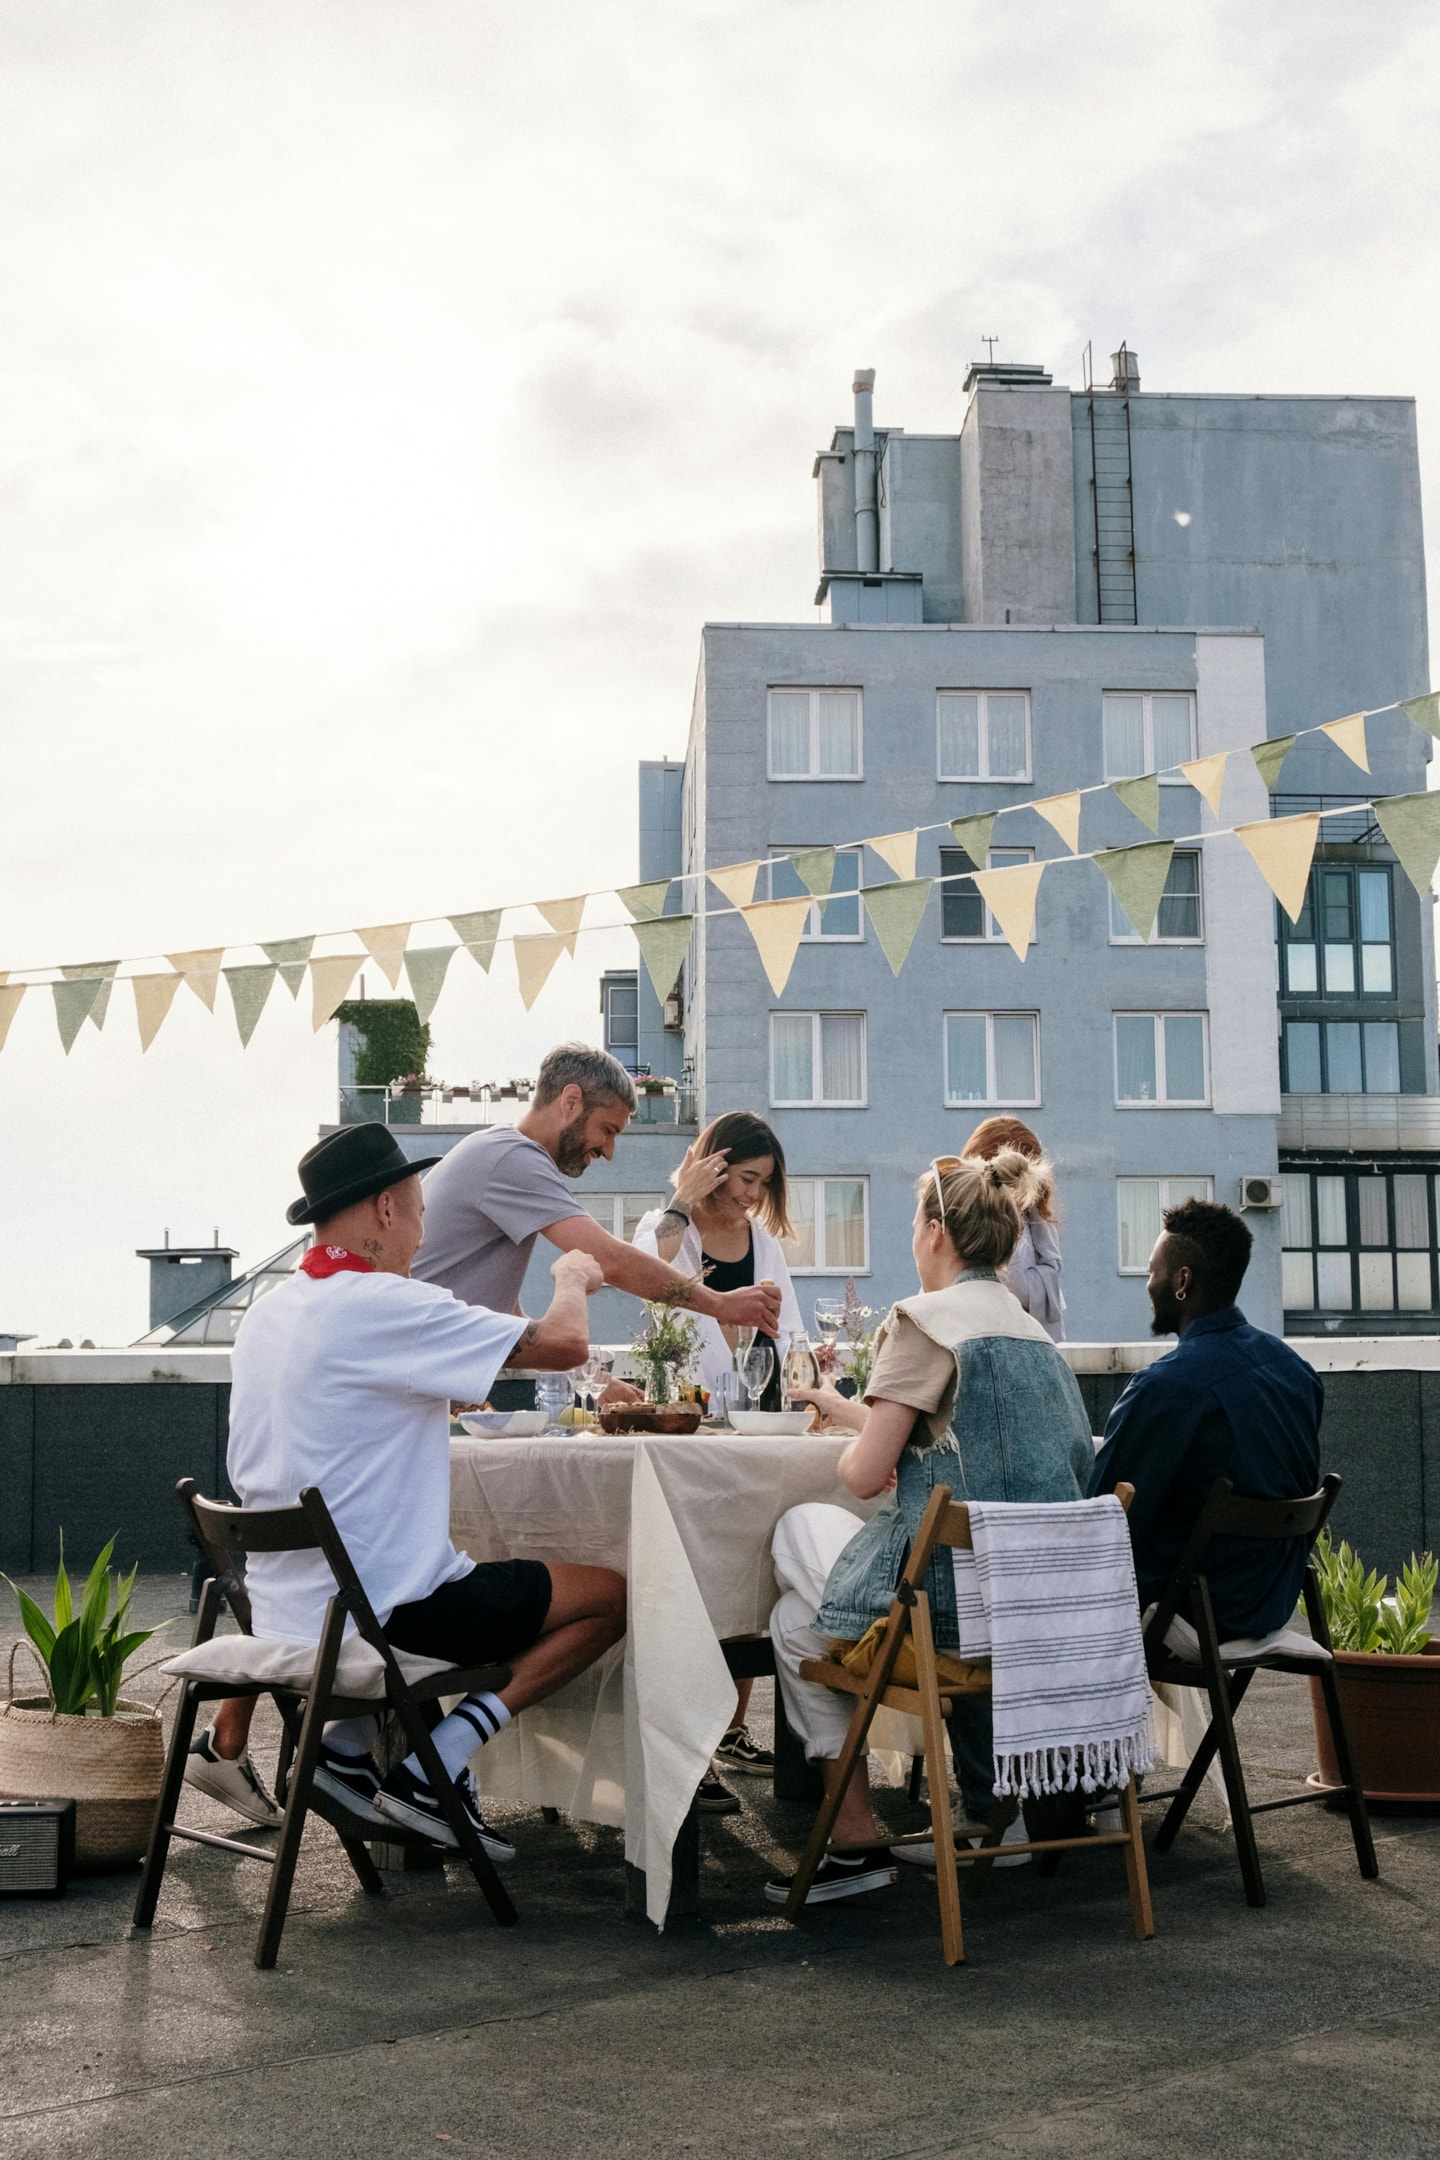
(489, 1199)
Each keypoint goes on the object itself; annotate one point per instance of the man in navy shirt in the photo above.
(1229, 1401)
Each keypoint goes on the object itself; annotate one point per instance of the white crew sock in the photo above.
(351, 1735)
(468, 1727)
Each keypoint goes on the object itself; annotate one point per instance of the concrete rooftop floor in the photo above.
(413, 2026)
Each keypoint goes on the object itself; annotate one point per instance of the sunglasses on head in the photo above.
(941, 1167)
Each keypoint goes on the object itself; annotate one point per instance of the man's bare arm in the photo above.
(627, 1268)
(561, 1339)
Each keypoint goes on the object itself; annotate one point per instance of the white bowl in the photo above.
(503, 1424)
(772, 1423)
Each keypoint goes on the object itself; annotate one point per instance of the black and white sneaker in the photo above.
(232, 1780)
(841, 1875)
(408, 1800)
(737, 1751)
(352, 1781)
(714, 1797)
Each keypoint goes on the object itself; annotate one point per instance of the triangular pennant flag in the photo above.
(737, 882)
(478, 933)
(1207, 776)
(425, 965)
(385, 943)
(1349, 735)
(815, 868)
(290, 955)
(1284, 848)
(1424, 711)
(1270, 756)
(777, 927)
(201, 970)
(664, 942)
(973, 834)
(895, 912)
(10, 996)
(1411, 824)
(330, 980)
(643, 903)
(564, 916)
(1063, 812)
(1142, 797)
(1138, 875)
(73, 1001)
(154, 995)
(105, 969)
(249, 988)
(897, 849)
(534, 958)
(1010, 897)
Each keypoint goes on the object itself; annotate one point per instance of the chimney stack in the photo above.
(1125, 370)
(867, 524)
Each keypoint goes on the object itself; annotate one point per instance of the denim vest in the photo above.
(1018, 1431)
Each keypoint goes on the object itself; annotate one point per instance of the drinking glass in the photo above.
(594, 1375)
(798, 1371)
(554, 1392)
(744, 1344)
(756, 1370)
(829, 1318)
(727, 1394)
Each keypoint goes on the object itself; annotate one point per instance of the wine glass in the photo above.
(829, 1319)
(756, 1370)
(593, 1375)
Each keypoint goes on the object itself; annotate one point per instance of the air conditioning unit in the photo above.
(1261, 1192)
(672, 1017)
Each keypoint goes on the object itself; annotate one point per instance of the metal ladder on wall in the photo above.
(1112, 504)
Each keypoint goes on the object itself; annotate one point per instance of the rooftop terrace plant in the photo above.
(1358, 1613)
(84, 1653)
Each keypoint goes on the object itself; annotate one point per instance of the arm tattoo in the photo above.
(526, 1337)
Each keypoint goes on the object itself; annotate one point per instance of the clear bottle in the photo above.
(798, 1370)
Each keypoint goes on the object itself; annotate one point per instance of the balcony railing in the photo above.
(1360, 1123)
(414, 1106)
(674, 1108)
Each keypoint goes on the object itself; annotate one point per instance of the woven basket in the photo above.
(110, 1767)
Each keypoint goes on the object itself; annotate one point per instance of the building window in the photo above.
(814, 735)
(1141, 1203)
(1358, 1241)
(1178, 920)
(817, 1058)
(963, 914)
(1160, 1058)
(619, 1002)
(831, 1221)
(835, 921)
(1342, 1057)
(1343, 944)
(619, 1213)
(982, 734)
(1147, 731)
(992, 1058)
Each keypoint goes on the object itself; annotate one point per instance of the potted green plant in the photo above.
(1387, 1672)
(80, 1741)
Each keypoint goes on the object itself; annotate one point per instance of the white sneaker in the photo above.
(234, 1782)
(968, 1833)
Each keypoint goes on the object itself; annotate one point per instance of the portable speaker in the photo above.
(37, 1847)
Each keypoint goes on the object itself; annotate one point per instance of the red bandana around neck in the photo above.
(322, 1260)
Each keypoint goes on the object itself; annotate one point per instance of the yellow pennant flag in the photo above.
(777, 927)
(201, 970)
(385, 943)
(330, 980)
(1063, 812)
(1284, 848)
(10, 996)
(1349, 735)
(1207, 776)
(154, 995)
(898, 850)
(534, 958)
(1010, 896)
(564, 917)
(737, 882)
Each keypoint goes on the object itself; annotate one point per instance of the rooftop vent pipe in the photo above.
(1125, 370)
(867, 524)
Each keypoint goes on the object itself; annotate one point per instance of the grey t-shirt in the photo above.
(485, 1204)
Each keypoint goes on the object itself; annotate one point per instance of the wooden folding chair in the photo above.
(1195, 1657)
(337, 1680)
(945, 1526)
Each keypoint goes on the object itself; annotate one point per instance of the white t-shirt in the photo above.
(345, 1382)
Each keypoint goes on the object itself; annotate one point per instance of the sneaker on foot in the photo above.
(967, 1833)
(352, 1780)
(231, 1780)
(737, 1751)
(408, 1800)
(841, 1875)
(714, 1798)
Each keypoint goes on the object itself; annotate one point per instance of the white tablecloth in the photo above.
(689, 1522)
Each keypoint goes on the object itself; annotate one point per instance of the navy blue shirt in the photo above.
(1229, 1401)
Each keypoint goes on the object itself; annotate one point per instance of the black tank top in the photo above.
(722, 1275)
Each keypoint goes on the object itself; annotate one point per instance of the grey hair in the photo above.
(599, 1077)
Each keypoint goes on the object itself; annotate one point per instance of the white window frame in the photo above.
(983, 728)
(994, 935)
(814, 933)
(613, 1219)
(812, 777)
(1132, 937)
(1168, 779)
(1163, 1100)
(821, 1102)
(990, 1100)
(840, 1267)
(1163, 1185)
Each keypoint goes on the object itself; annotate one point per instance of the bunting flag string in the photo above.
(1349, 735)
(898, 850)
(777, 927)
(478, 933)
(815, 868)
(385, 943)
(154, 995)
(1207, 776)
(201, 970)
(1270, 755)
(1010, 896)
(1142, 796)
(74, 996)
(1284, 849)
(10, 996)
(330, 980)
(249, 989)
(1063, 812)
(664, 942)
(895, 912)
(973, 834)
(1424, 711)
(289, 956)
(564, 917)
(1411, 824)
(534, 957)
(737, 882)
(426, 965)
(1138, 876)
(105, 969)
(642, 903)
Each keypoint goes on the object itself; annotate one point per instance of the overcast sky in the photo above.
(389, 391)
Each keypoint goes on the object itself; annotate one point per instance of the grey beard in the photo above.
(570, 1149)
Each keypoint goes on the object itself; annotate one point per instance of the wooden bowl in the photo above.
(650, 1418)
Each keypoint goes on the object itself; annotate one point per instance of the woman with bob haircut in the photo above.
(1034, 1270)
(968, 1391)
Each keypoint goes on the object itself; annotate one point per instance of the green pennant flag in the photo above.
(1424, 711)
(290, 955)
(479, 933)
(249, 988)
(1411, 824)
(644, 903)
(73, 1000)
(1138, 876)
(973, 834)
(105, 969)
(815, 868)
(895, 912)
(664, 942)
(1142, 797)
(1270, 756)
(425, 965)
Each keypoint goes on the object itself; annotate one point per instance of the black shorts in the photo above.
(483, 1618)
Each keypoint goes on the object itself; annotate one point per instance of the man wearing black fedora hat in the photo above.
(342, 1378)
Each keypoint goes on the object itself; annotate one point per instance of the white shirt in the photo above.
(715, 1353)
(345, 1382)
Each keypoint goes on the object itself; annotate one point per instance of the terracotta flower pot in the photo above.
(1392, 1714)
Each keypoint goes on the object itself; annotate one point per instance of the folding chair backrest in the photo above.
(225, 1531)
(952, 1525)
(1227, 1515)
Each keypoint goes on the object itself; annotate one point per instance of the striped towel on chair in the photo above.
(1050, 1593)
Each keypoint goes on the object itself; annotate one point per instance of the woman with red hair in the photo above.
(1033, 1272)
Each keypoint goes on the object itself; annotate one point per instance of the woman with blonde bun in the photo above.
(967, 1390)
(1033, 1271)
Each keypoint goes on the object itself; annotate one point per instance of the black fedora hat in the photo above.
(350, 1165)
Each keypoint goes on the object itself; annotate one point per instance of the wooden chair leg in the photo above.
(1223, 1704)
(829, 1808)
(357, 1853)
(942, 1827)
(1136, 1874)
(917, 1767)
(158, 1851)
(1354, 1797)
(1200, 1762)
(497, 1897)
(292, 1830)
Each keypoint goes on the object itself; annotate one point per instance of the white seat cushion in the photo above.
(1182, 1640)
(245, 1659)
